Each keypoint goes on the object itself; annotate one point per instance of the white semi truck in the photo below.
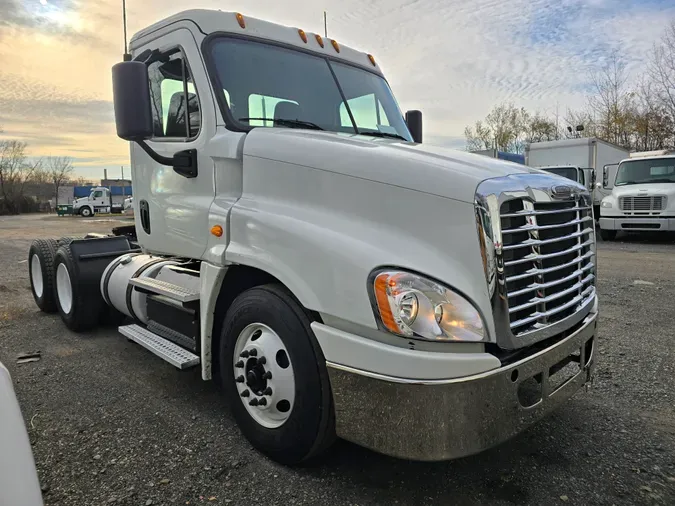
(643, 195)
(296, 241)
(584, 153)
(98, 201)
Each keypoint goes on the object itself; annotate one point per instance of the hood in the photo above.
(644, 190)
(438, 171)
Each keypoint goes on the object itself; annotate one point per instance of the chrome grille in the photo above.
(653, 203)
(549, 261)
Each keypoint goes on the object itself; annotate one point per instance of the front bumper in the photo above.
(639, 224)
(446, 419)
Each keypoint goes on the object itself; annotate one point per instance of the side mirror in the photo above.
(605, 177)
(131, 96)
(414, 121)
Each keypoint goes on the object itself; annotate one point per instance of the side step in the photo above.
(170, 290)
(163, 348)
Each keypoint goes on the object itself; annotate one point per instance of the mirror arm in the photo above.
(183, 162)
(162, 160)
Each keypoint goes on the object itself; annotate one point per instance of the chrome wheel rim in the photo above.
(263, 375)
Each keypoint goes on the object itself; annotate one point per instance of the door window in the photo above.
(98, 194)
(173, 99)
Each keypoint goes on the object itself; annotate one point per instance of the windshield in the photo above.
(568, 172)
(656, 170)
(270, 86)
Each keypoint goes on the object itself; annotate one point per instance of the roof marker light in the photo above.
(240, 20)
(319, 39)
(303, 35)
(372, 60)
(335, 45)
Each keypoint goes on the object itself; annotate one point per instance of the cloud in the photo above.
(452, 59)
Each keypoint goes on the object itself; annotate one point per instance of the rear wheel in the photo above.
(41, 273)
(274, 376)
(608, 235)
(78, 311)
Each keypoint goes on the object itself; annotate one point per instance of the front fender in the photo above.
(322, 234)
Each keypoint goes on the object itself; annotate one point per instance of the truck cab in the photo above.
(98, 201)
(297, 241)
(585, 177)
(643, 195)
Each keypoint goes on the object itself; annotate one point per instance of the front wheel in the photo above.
(86, 212)
(608, 235)
(274, 376)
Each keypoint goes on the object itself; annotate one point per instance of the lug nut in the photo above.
(239, 364)
(262, 360)
(262, 402)
(244, 354)
(253, 352)
(253, 402)
(245, 393)
(267, 391)
(240, 379)
(267, 375)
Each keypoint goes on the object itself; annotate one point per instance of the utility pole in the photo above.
(325, 24)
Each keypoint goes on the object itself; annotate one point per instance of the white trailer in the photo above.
(585, 153)
(296, 241)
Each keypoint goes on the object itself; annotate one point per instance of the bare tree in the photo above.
(15, 171)
(661, 69)
(503, 129)
(59, 169)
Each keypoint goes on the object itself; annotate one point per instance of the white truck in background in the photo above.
(99, 201)
(296, 241)
(584, 153)
(585, 177)
(642, 197)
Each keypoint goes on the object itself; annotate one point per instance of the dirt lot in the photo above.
(112, 424)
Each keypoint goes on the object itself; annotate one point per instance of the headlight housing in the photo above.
(605, 203)
(413, 306)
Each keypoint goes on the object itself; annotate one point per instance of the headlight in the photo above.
(412, 306)
(605, 203)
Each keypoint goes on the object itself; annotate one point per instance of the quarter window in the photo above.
(171, 88)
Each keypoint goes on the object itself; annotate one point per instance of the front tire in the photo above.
(282, 402)
(41, 273)
(608, 235)
(86, 212)
(78, 310)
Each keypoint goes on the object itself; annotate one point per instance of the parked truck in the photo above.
(98, 201)
(585, 177)
(643, 195)
(296, 241)
(585, 153)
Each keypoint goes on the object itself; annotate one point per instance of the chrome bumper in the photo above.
(641, 224)
(447, 419)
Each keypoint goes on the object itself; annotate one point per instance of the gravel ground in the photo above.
(112, 424)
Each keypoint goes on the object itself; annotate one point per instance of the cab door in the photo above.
(172, 208)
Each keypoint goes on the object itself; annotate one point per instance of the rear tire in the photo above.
(302, 428)
(608, 235)
(41, 273)
(78, 311)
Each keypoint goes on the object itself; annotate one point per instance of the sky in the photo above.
(452, 59)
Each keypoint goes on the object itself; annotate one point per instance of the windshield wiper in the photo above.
(384, 134)
(292, 123)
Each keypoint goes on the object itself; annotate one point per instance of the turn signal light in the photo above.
(319, 39)
(217, 230)
(303, 35)
(335, 45)
(240, 20)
